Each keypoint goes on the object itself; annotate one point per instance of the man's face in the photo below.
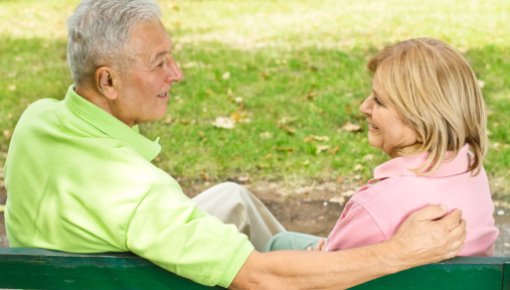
(144, 83)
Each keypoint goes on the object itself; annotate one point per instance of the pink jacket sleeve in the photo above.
(355, 228)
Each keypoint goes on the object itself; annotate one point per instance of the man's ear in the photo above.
(104, 78)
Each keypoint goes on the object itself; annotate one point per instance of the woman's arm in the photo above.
(425, 237)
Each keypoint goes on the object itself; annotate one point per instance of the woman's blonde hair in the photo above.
(437, 94)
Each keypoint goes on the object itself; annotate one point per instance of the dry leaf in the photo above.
(7, 134)
(11, 87)
(316, 138)
(321, 148)
(334, 150)
(285, 149)
(358, 167)
(266, 135)
(368, 157)
(240, 116)
(243, 179)
(350, 127)
(226, 75)
(337, 199)
(224, 123)
(310, 96)
(239, 100)
(168, 120)
(204, 175)
(288, 129)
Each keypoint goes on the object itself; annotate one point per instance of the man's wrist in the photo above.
(394, 256)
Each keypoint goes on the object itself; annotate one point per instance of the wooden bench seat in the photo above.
(42, 269)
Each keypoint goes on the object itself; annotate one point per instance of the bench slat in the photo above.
(43, 269)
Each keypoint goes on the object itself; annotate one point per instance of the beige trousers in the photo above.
(234, 204)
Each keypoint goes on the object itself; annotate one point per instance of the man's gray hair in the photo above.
(98, 32)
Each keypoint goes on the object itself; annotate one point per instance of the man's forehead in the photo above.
(150, 40)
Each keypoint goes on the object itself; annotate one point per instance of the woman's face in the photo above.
(386, 130)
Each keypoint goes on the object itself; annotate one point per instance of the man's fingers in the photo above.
(458, 236)
(430, 212)
(452, 219)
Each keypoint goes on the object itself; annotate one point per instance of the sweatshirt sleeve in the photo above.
(170, 231)
(355, 228)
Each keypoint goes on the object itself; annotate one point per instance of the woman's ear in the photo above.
(104, 78)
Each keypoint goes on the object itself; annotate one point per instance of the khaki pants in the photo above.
(233, 204)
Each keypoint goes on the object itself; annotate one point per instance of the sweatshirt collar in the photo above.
(110, 125)
(402, 166)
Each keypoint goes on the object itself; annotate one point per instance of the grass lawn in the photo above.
(290, 75)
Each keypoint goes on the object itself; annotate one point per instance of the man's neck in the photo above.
(93, 96)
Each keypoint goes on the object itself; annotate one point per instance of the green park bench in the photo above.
(42, 269)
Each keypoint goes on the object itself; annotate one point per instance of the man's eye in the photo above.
(161, 64)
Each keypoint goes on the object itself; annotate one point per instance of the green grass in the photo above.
(296, 70)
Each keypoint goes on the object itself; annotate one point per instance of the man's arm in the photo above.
(425, 237)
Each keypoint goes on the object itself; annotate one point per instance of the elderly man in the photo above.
(79, 177)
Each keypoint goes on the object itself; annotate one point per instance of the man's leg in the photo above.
(233, 204)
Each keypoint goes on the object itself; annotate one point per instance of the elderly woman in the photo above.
(426, 111)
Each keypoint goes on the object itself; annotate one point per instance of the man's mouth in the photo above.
(163, 95)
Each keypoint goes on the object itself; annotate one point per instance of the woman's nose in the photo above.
(366, 106)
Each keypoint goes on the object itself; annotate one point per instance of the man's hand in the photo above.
(430, 235)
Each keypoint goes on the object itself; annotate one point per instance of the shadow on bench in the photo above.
(42, 269)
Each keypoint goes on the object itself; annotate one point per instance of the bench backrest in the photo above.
(42, 269)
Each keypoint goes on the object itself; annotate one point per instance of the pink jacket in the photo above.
(377, 209)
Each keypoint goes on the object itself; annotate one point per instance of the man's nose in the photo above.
(174, 72)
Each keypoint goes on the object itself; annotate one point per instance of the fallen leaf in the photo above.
(350, 127)
(204, 175)
(285, 149)
(316, 138)
(288, 129)
(334, 150)
(224, 123)
(240, 116)
(168, 120)
(239, 100)
(337, 199)
(266, 135)
(7, 134)
(358, 167)
(321, 148)
(226, 75)
(310, 96)
(11, 87)
(243, 179)
(368, 157)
